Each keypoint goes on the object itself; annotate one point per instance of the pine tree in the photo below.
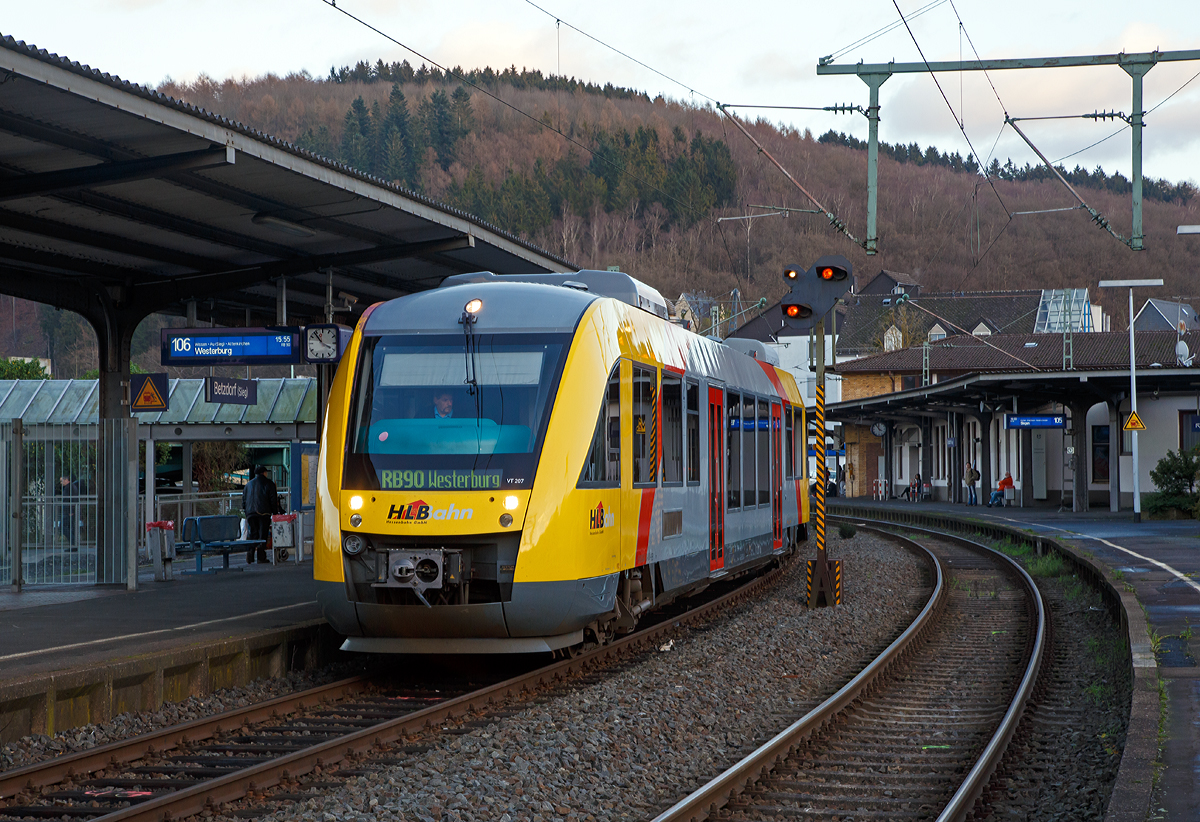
(462, 114)
(377, 142)
(438, 125)
(396, 139)
(356, 136)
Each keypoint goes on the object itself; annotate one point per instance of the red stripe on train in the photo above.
(643, 537)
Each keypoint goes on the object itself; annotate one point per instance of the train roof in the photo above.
(615, 284)
(508, 306)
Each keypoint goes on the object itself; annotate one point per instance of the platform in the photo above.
(74, 655)
(1161, 560)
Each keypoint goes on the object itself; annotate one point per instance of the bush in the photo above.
(1172, 505)
(846, 530)
(1175, 474)
(1175, 478)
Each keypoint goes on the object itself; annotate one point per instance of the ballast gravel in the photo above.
(629, 744)
(39, 747)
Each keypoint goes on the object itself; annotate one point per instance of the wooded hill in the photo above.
(640, 183)
(607, 176)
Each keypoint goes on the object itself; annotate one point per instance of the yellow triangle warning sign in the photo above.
(148, 396)
(1134, 423)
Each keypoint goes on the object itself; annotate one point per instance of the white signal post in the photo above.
(1132, 284)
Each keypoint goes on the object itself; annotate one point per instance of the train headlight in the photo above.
(356, 503)
(353, 544)
(474, 306)
(511, 503)
(505, 520)
(356, 520)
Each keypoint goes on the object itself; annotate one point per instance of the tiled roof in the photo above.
(868, 316)
(1023, 352)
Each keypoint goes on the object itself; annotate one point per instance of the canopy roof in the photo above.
(76, 402)
(118, 201)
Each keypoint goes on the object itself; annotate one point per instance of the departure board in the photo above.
(230, 346)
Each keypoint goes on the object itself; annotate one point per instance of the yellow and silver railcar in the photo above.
(516, 465)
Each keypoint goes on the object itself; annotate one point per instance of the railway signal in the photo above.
(815, 290)
(813, 293)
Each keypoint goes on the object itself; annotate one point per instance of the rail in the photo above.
(257, 777)
(700, 803)
(703, 802)
(1130, 800)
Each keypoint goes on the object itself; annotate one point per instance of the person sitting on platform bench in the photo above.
(260, 499)
(998, 494)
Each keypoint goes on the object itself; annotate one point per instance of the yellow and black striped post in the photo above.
(821, 586)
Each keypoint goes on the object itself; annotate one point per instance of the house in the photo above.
(1163, 315)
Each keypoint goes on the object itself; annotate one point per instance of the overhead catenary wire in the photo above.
(942, 92)
(597, 40)
(881, 31)
(961, 128)
(833, 218)
(466, 81)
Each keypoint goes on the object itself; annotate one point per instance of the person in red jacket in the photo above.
(998, 494)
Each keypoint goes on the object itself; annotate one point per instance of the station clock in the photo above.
(324, 343)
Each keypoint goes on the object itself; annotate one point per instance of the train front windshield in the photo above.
(451, 413)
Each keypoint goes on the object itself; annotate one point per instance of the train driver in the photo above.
(443, 405)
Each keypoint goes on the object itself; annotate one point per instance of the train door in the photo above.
(776, 476)
(716, 478)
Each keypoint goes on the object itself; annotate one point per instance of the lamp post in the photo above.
(1132, 284)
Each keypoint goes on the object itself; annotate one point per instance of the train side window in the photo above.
(602, 469)
(733, 450)
(645, 425)
(693, 432)
(762, 437)
(672, 429)
(789, 446)
(749, 431)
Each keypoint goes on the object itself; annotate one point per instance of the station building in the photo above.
(932, 409)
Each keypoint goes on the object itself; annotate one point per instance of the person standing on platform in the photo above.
(970, 477)
(66, 509)
(260, 499)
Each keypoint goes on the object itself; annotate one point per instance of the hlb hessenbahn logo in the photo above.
(420, 512)
(601, 519)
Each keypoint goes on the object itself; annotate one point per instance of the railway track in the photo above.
(333, 731)
(920, 731)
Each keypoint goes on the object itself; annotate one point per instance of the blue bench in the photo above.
(213, 535)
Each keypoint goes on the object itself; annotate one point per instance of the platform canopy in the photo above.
(286, 410)
(117, 202)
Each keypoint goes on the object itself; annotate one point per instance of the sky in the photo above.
(757, 53)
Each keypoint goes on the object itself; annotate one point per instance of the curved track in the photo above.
(185, 769)
(919, 732)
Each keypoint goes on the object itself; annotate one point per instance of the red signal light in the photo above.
(797, 311)
(832, 273)
(826, 273)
